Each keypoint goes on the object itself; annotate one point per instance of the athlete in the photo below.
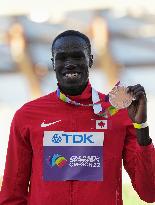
(62, 152)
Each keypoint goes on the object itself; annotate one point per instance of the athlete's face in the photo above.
(71, 60)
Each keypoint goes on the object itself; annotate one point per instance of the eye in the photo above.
(78, 57)
(61, 58)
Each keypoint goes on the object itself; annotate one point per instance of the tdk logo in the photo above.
(75, 138)
(56, 138)
(60, 138)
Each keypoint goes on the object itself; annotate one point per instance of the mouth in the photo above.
(72, 75)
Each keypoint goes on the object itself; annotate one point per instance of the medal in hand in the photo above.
(119, 98)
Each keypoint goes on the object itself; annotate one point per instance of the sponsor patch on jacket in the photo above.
(73, 156)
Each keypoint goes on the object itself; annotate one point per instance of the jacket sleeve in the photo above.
(139, 162)
(17, 171)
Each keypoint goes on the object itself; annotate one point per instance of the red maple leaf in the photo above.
(101, 124)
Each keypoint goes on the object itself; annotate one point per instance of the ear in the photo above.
(91, 61)
(52, 59)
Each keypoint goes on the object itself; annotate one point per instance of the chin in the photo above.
(72, 85)
(71, 82)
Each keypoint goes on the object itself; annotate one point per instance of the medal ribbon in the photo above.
(97, 107)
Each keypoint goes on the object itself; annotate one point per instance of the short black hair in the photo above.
(72, 33)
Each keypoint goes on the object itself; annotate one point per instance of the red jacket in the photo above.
(23, 181)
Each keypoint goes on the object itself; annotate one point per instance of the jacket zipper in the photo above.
(74, 128)
(71, 192)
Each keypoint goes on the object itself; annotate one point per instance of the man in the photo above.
(70, 154)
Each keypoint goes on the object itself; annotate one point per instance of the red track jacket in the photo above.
(23, 182)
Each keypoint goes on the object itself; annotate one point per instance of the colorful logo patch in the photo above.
(57, 160)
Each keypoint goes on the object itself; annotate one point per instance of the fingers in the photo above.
(137, 91)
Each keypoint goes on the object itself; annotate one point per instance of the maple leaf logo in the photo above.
(101, 124)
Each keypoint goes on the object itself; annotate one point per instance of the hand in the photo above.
(138, 109)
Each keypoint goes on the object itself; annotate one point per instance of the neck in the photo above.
(73, 91)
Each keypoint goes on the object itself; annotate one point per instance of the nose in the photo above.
(69, 64)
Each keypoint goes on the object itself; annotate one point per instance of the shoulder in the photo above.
(36, 104)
